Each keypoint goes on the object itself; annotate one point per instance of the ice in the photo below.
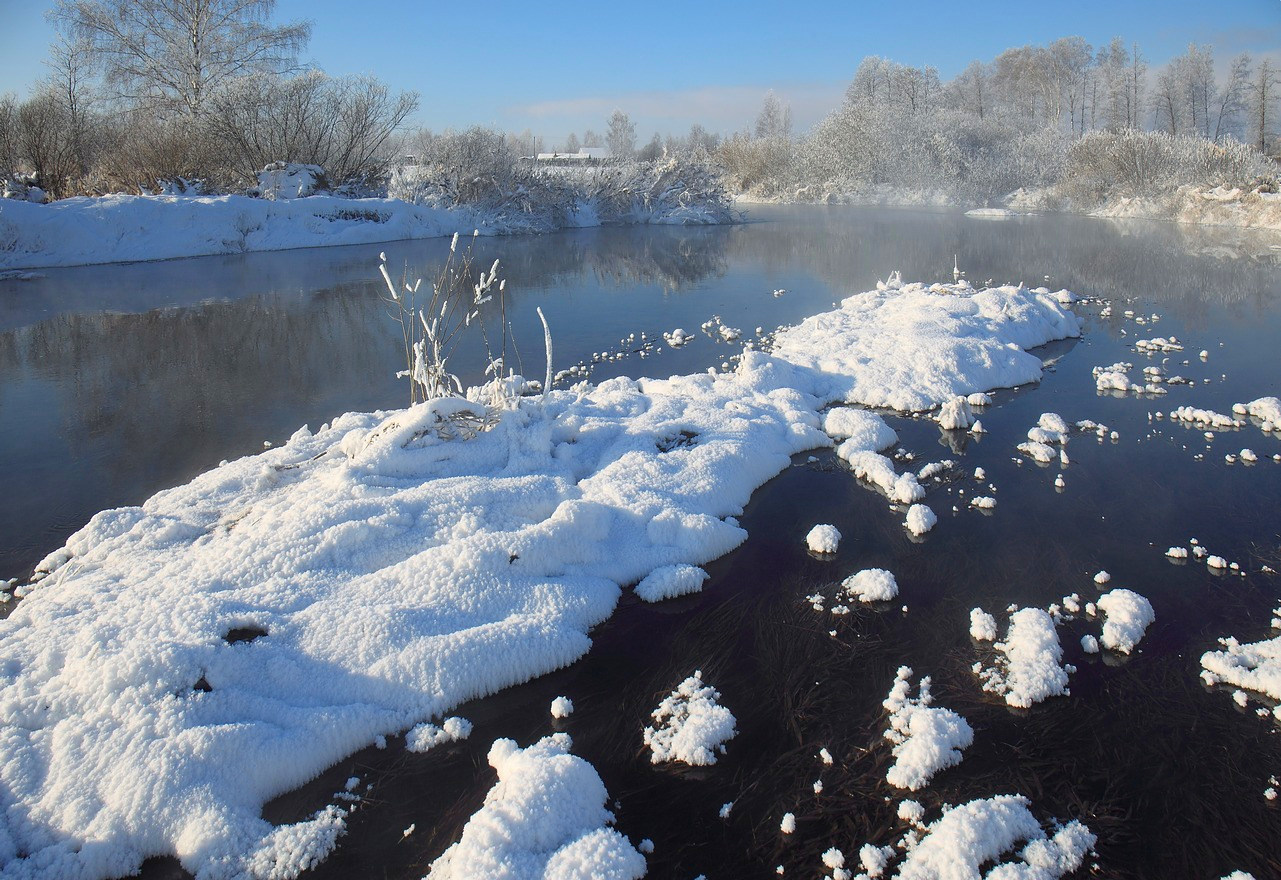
(823, 538)
(562, 707)
(871, 585)
(669, 581)
(400, 571)
(1128, 617)
(691, 725)
(926, 738)
(1027, 666)
(920, 519)
(544, 818)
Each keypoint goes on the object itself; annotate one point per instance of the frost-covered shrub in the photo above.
(1136, 163)
(760, 165)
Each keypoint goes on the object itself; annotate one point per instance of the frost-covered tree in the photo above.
(592, 139)
(621, 136)
(700, 139)
(173, 55)
(653, 150)
(571, 143)
(775, 118)
(1232, 97)
(1263, 97)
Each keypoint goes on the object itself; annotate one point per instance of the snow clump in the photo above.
(866, 429)
(422, 737)
(920, 519)
(670, 581)
(871, 585)
(544, 818)
(982, 626)
(926, 738)
(1027, 666)
(1255, 666)
(692, 725)
(1128, 617)
(823, 538)
(955, 414)
(562, 707)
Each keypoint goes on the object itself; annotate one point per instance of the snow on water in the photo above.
(544, 818)
(670, 581)
(920, 519)
(1027, 667)
(422, 737)
(982, 626)
(397, 574)
(1000, 830)
(562, 707)
(1255, 666)
(913, 347)
(1128, 618)
(955, 414)
(926, 738)
(866, 430)
(871, 585)
(823, 538)
(691, 725)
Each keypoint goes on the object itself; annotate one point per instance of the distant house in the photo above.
(586, 156)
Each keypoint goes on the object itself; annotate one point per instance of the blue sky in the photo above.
(557, 67)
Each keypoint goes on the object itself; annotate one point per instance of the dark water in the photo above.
(118, 381)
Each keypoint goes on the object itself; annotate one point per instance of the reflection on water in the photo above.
(118, 381)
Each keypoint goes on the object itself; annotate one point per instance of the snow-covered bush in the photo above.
(289, 180)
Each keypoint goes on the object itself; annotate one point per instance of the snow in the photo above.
(788, 825)
(926, 738)
(984, 831)
(920, 519)
(1254, 666)
(879, 471)
(669, 581)
(544, 818)
(955, 414)
(690, 725)
(911, 812)
(823, 538)
(983, 502)
(1027, 666)
(871, 585)
(867, 430)
(398, 574)
(1128, 617)
(1102, 577)
(562, 707)
(982, 626)
(422, 737)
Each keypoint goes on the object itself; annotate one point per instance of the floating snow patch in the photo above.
(979, 398)
(562, 707)
(691, 725)
(914, 347)
(1266, 409)
(1205, 417)
(422, 737)
(920, 519)
(999, 830)
(983, 502)
(1102, 577)
(982, 626)
(1038, 451)
(926, 738)
(401, 573)
(669, 581)
(866, 429)
(788, 825)
(1128, 617)
(1177, 553)
(1089, 644)
(823, 538)
(871, 585)
(544, 818)
(1027, 666)
(955, 414)
(1255, 666)
(879, 471)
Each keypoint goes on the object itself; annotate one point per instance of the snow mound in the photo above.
(982, 626)
(1128, 617)
(1000, 830)
(920, 519)
(926, 738)
(670, 581)
(544, 818)
(823, 538)
(879, 471)
(866, 429)
(1027, 666)
(289, 180)
(871, 585)
(691, 725)
(955, 414)
(913, 347)
(1255, 666)
(562, 707)
(1266, 409)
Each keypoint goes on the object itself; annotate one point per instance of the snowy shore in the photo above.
(387, 574)
(122, 228)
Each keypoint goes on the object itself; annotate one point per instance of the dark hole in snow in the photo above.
(512, 557)
(202, 685)
(244, 634)
(676, 441)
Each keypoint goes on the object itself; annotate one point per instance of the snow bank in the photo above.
(913, 347)
(1027, 666)
(396, 574)
(691, 725)
(1128, 617)
(871, 585)
(926, 738)
(545, 818)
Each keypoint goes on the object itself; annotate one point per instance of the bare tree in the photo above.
(571, 143)
(174, 54)
(1167, 100)
(43, 141)
(1263, 92)
(8, 134)
(775, 119)
(1232, 97)
(592, 139)
(622, 135)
